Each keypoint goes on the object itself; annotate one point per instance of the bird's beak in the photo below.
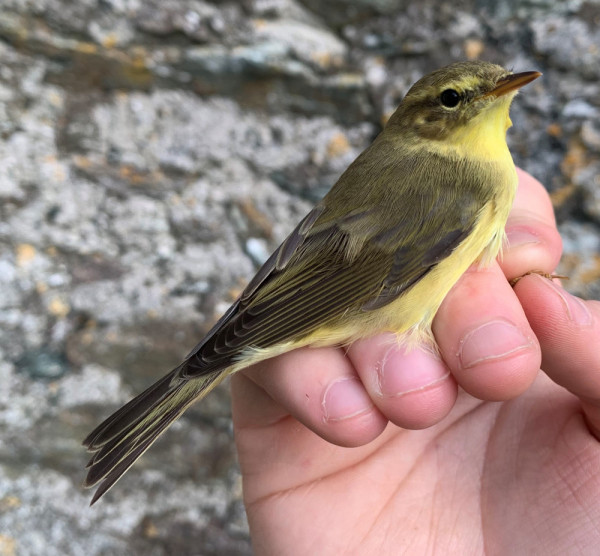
(512, 82)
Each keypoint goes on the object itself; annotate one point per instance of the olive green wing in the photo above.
(331, 267)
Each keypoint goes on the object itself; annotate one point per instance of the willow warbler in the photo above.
(428, 198)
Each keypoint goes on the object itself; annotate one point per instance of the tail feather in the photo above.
(129, 432)
(124, 458)
(130, 413)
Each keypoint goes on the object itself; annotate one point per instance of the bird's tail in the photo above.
(120, 440)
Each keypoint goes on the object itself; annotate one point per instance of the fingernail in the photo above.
(575, 308)
(490, 341)
(521, 235)
(345, 398)
(404, 371)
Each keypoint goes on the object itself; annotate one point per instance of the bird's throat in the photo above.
(483, 138)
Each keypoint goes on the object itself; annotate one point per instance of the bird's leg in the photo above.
(514, 281)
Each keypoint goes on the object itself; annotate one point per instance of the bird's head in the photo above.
(461, 104)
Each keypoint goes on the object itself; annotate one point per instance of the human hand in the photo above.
(518, 476)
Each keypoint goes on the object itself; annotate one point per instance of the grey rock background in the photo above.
(152, 153)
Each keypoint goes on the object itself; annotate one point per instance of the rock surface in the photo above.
(152, 154)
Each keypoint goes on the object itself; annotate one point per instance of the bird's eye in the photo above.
(450, 98)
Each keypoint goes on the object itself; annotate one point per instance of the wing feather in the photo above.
(339, 262)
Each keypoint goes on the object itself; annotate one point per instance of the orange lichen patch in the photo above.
(25, 254)
(256, 217)
(338, 145)
(473, 48)
(9, 502)
(234, 293)
(560, 196)
(259, 24)
(86, 47)
(8, 546)
(41, 287)
(88, 336)
(58, 308)
(59, 171)
(82, 161)
(130, 174)
(326, 59)
(554, 130)
(125, 172)
(591, 274)
(575, 159)
(150, 530)
(112, 337)
(139, 57)
(55, 99)
(110, 40)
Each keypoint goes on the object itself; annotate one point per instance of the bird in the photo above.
(427, 199)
